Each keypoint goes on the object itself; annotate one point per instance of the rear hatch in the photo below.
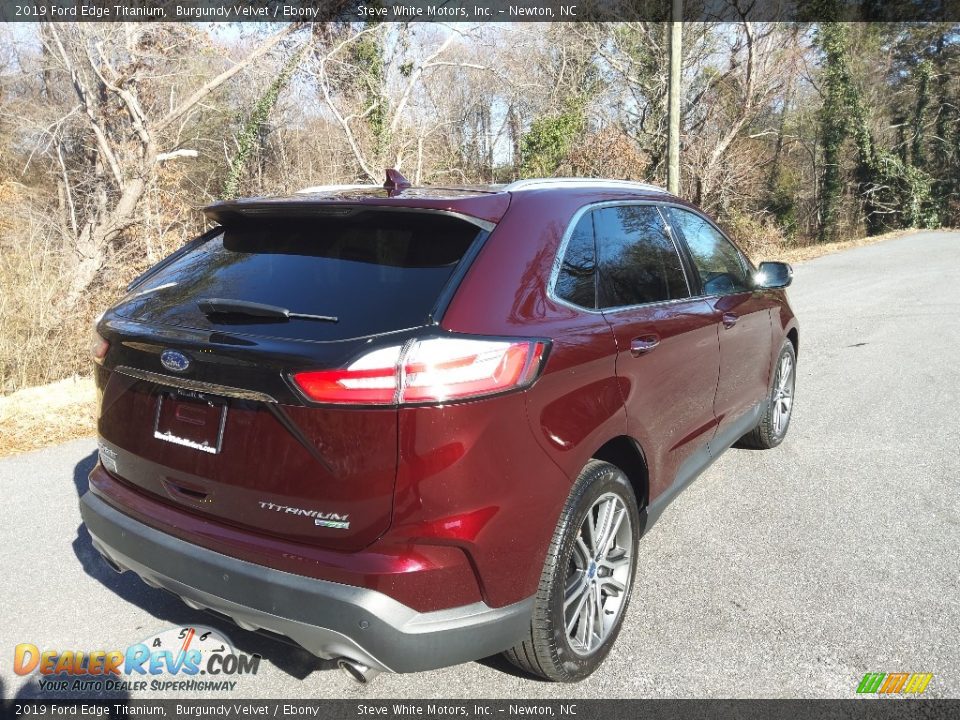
(198, 406)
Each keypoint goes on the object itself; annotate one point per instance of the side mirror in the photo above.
(773, 275)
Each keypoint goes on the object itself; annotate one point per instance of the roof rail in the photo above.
(334, 188)
(541, 183)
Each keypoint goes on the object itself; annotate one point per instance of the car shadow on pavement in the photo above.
(501, 664)
(169, 609)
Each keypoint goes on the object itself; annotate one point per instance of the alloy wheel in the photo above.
(598, 574)
(783, 394)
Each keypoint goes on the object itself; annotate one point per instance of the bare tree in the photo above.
(133, 123)
(371, 83)
(760, 57)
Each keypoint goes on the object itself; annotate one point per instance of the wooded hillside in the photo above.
(112, 136)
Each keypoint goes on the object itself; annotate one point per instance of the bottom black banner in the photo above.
(880, 709)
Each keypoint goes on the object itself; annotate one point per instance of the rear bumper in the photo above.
(329, 619)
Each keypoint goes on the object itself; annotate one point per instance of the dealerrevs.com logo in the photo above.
(191, 659)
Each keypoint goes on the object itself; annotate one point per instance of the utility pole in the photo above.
(673, 137)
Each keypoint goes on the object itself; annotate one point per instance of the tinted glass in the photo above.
(638, 261)
(576, 282)
(375, 272)
(719, 263)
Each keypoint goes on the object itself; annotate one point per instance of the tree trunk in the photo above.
(93, 244)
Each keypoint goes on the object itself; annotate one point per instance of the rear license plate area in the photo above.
(192, 420)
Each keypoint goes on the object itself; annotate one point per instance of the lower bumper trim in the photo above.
(328, 619)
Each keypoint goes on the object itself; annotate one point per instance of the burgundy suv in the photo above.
(412, 427)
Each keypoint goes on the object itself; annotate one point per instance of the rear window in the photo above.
(374, 271)
(576, 282)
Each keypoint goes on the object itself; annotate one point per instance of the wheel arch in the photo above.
(794, 337)
(625, 452)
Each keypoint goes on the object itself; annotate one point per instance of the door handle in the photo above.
(729, 319)
(643, 344)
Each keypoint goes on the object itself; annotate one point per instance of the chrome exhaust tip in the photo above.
(357, 670)
(113, 565)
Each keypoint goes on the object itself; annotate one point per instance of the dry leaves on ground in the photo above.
(37, 417)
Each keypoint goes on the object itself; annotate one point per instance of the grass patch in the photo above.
(795, 255)
(38, 417)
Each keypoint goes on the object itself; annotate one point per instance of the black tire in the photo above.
(766, 434)
(547, 650)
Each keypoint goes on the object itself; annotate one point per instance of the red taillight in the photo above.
(427, 371)
(453, 368)
(371, 380)
(99, 347)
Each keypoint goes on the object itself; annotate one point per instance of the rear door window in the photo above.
(638, 262)
(375, 271)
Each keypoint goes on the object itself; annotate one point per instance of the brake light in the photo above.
(428, 371)
(371, 380)
(99, 347)
(452, 368)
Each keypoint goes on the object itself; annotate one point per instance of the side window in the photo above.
(576, 282)
(638, 262)
(719, 263)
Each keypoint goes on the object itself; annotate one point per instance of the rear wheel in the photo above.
(775, 422)
(586, 581)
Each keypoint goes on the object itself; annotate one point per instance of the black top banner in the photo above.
(477, 10)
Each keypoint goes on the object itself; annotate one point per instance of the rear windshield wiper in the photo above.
(219, 306)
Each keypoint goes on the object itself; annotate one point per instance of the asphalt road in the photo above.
(785, 573)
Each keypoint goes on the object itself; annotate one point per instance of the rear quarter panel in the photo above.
(577, 403)
(574, 407)
(471, 475)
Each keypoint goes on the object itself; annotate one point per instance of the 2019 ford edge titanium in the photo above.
(411, 427)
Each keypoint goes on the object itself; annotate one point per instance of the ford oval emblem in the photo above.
(174, 360)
